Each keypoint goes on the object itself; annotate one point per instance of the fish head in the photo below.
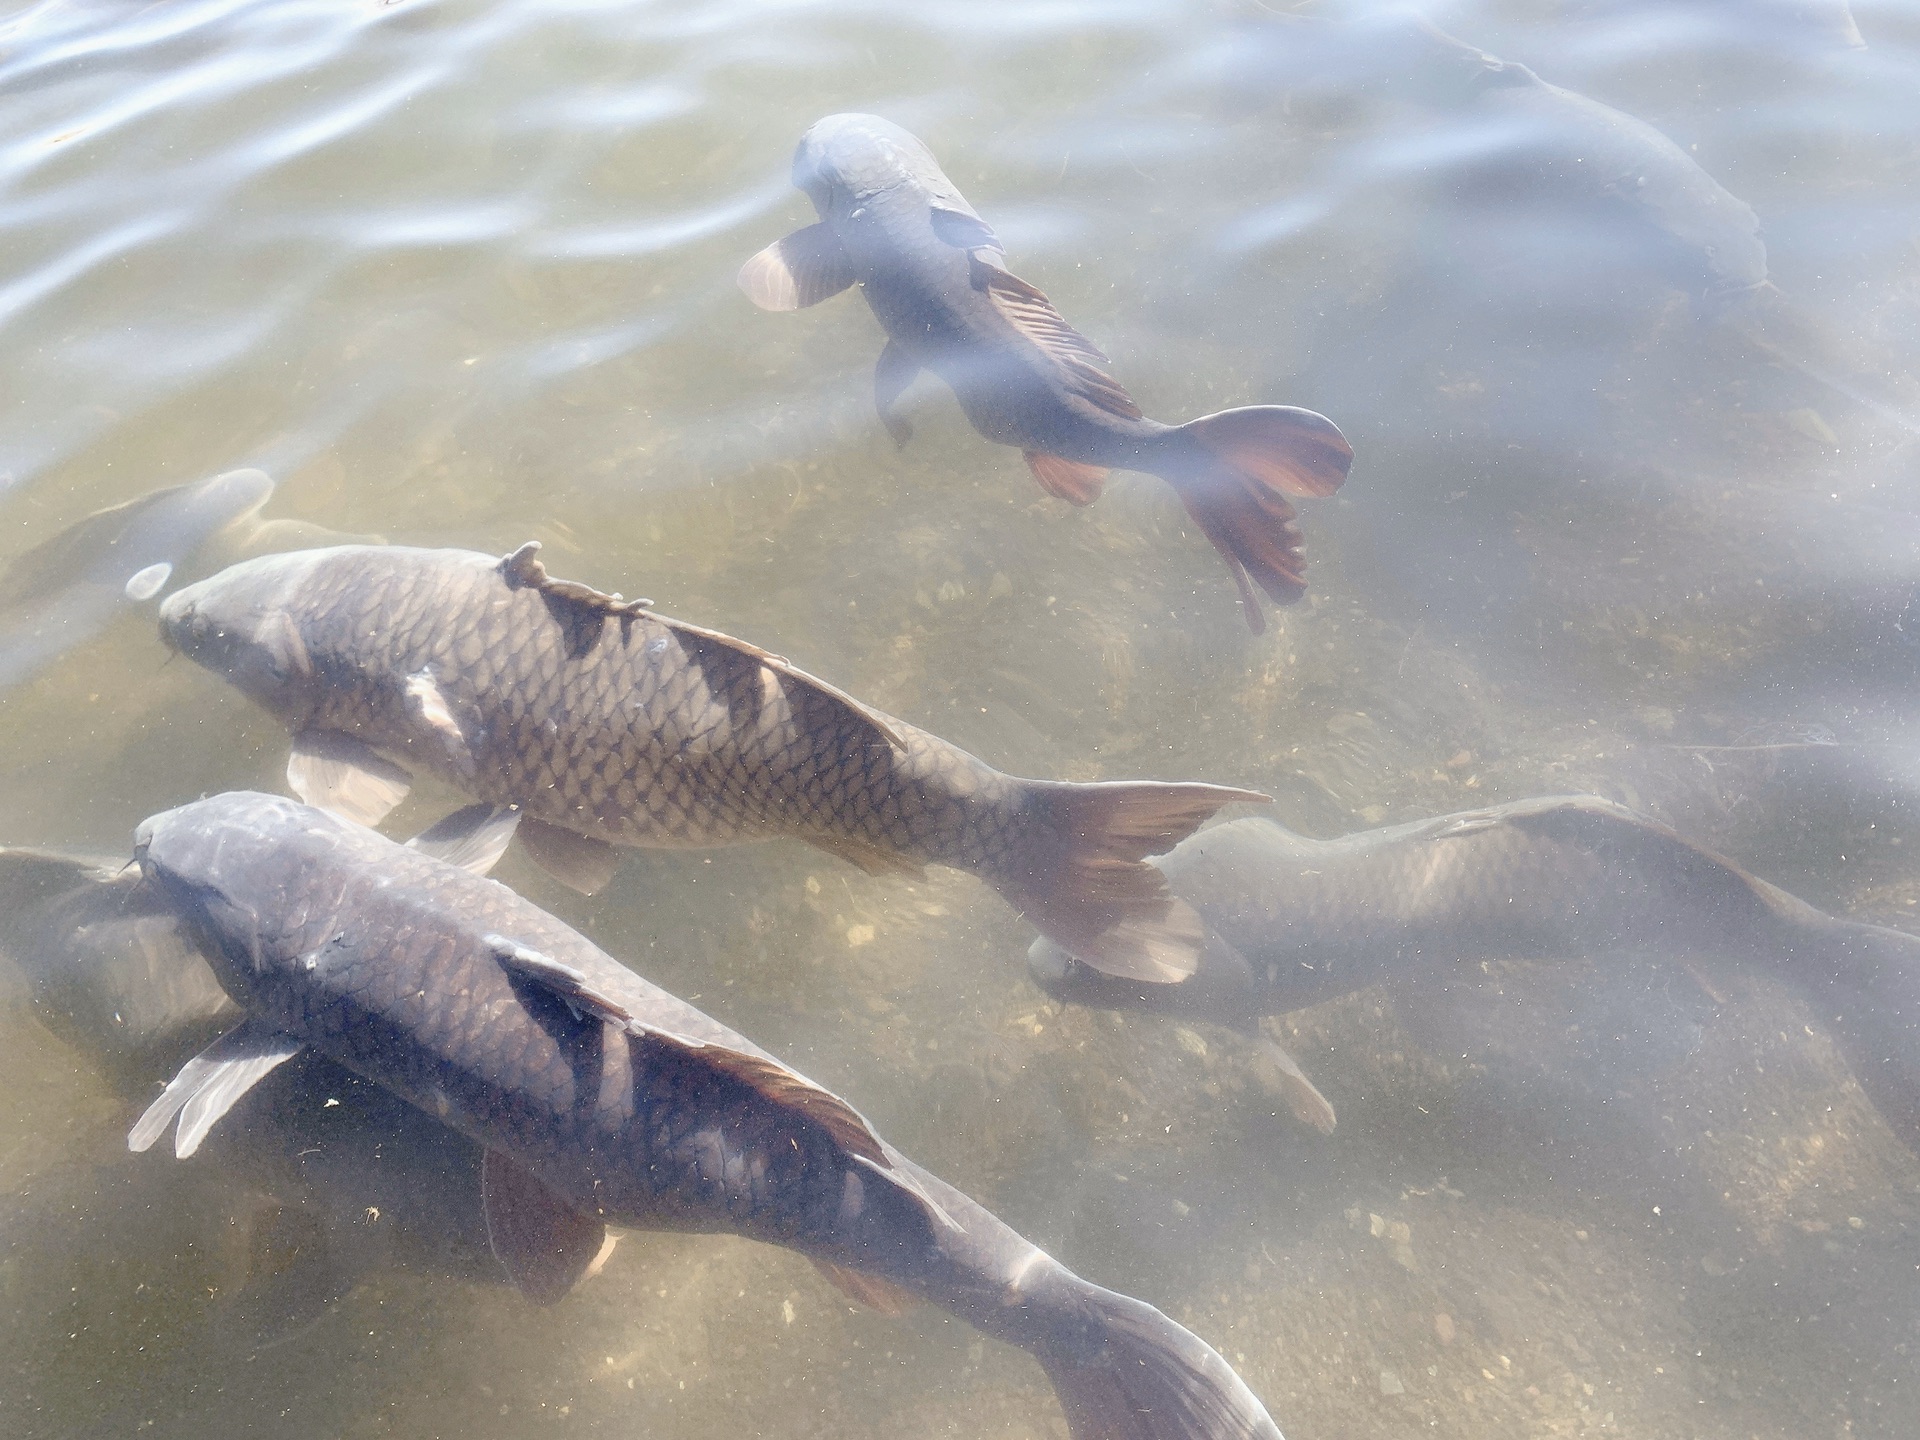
(223, 864)
(244, 624)
(845, 161)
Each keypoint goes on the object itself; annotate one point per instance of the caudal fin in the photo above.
(1124, 1371)
(1080, 872)
(1234, 471)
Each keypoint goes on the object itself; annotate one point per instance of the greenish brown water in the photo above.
(458, 273)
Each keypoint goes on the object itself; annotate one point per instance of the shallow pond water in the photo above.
(462, 273)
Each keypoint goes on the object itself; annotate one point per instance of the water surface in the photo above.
(461, 273)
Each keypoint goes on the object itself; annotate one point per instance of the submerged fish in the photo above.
(612, 725)
(601, 1099)
(1292, 922)
(935, 276)
(1553, 144)
(66, 590)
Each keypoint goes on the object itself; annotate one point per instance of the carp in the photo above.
(609, 724)
(600, 1099)
(1292, 921)
(934, 274)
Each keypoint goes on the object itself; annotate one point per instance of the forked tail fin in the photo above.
(1124, 1371)
(1080, 874)
(1233, 472)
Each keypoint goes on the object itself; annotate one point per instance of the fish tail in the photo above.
(1124, 1371)
(1078, 871)
(1233, 471)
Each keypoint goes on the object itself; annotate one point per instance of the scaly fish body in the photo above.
(602, 1099)
(606, 721)
(1293, 921)
(934, 274)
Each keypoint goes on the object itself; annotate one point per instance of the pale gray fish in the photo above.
(935, 276)
(68, 589)
(1293, 921)
(601, 1099)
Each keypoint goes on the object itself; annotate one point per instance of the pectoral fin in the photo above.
(891, 377)
(1065, 479)
(336, 772)
(545, 1245)
(803, 269)
(889, 1299)
(209, 1084)
(147, 583)
(577, 861)
(1280, 1073)
(473, 838)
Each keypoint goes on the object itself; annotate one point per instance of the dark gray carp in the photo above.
(601, 1099)
(609, 724)
(67, 589)
(1292, 922)
(935, 276)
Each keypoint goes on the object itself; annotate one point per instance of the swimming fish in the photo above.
(66, 590)
(935, 276)
(601, 1099)
(1545, 142)
(610, 724)
(1293, 921)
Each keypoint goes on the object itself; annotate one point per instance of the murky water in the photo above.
(459, 273)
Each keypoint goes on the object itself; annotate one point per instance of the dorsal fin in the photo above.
(766, 1077)
(1079, 360)
(523, 570)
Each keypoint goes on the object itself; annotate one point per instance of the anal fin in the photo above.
(577, 861)
(545, 1245)
(1068, 480)
(889, 1299)
(874, 859)
(336, 772)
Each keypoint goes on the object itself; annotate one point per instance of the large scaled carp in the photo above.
(609, 724)
(1292, 921)
(601, 1099)
(935, 276)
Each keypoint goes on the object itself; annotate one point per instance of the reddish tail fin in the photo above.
(1080, 872)
(1127, 1372)
(1238, 467)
